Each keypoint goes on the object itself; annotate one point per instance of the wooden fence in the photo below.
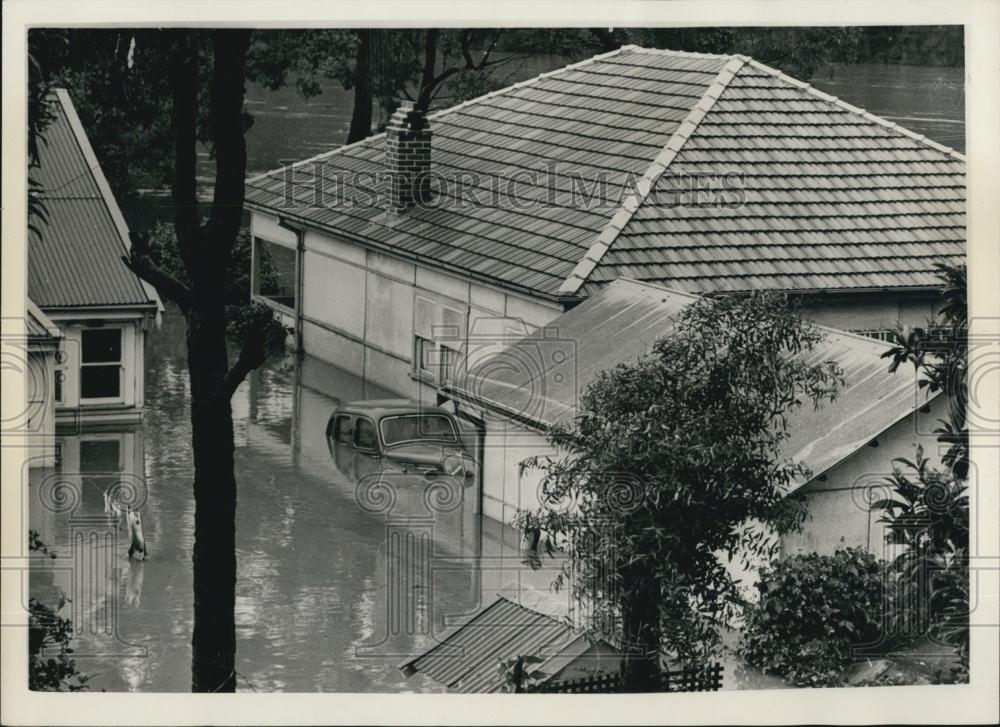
(690, 679)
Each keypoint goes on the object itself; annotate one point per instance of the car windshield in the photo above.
(416, 427)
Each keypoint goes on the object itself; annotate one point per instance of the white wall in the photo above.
(41, 408)
(838, 512)
(358, 308)
(877, 311)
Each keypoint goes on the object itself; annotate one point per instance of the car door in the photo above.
(365, 445)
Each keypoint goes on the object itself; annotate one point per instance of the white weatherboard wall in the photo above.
(361, 308)
(41, 408)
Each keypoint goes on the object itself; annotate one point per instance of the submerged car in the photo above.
(384, 436)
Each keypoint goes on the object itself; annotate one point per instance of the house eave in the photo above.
(285, 219)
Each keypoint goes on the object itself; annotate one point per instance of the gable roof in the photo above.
(74, 259)
(835, 198)
(467, 660)
(539, 379)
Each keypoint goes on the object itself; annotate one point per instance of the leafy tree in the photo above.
(927, 512)
(668, 463)
(47, 633)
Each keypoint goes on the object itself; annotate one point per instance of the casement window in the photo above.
(439, 332)
(101, 364)
(275, 273)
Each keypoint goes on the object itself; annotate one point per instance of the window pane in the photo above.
(411, 428)
(342, 430)
(99, 455)
(364, 434)
(276, 272)
(99, 382)
(103, 344)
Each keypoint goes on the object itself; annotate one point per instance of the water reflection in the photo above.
(331, 596)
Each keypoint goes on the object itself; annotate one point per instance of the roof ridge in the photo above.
(830, 98)
(656, 169)
(456, 107)
(679, 53)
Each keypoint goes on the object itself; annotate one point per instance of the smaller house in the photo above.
(80, 285)
(848, 445)
(469, 658)
(42, 338)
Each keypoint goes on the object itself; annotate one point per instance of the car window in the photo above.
(415, 427)
(342, 431)
(364, 434)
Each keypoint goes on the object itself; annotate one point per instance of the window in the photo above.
(423, 356)
(364, 434)
(101, 363)
(414, 427)
(449, 363)
(57, 386)
(275, 272)
(342, 431)
(100, 455)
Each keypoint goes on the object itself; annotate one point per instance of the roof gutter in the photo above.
(283, 216)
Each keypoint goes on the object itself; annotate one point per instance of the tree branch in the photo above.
(184, 90)
(166, 284)
(253, 353)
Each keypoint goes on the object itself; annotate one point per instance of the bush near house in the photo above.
(813, 611)
(50, 666)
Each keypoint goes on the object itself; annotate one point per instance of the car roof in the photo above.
(385, 407)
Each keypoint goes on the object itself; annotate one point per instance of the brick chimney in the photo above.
(407, 159)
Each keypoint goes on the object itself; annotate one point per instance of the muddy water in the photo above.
(333, 591)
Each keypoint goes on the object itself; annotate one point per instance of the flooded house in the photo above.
(686, 174)
(702, 173)
(79, 287)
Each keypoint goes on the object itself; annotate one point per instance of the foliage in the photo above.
(813, 610)
(241, 313)
(939, 352)
(670, 461)
(48, 632)
(516, 672)
(927, 515)
(927, 512)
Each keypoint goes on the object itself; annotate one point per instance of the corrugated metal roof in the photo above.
(468, 660)
(541, 377)
(835, 198)
(75, 258)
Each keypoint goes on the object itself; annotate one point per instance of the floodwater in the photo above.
(332, 593)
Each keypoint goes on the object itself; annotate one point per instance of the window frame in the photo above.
(83, 365)
(454, 429)
(357, 429)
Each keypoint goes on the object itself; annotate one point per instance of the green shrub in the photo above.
(812, 610)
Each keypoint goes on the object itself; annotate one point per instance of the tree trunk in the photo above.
(361, 118)
(640, 663)
(206, 250)
(213, 643)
